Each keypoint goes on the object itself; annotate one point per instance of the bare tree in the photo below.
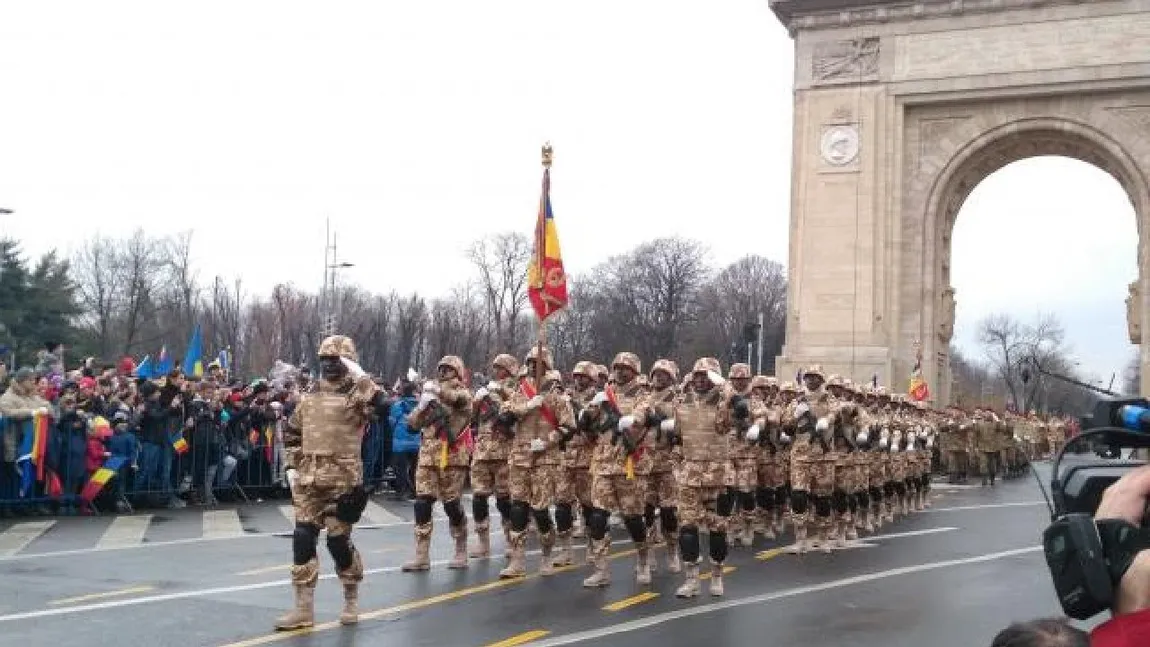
(501, 262)
(96, 272)
(411, 325)
(139, 263)
(734, 298)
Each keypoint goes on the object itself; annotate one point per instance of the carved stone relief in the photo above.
(846, 60)
(1134, 314)
(946, 316)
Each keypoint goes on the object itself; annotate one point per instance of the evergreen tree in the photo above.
(37, 304)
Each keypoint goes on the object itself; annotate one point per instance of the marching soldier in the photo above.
(703, 423)
(489, 470)
(574, 486)
(616, 482)
(541, 417)
(325, 472)
(771, 499)
(660, 485)
(744, 450)
(812, 459)
(442, 417)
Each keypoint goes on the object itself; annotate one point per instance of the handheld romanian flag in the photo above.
(178, 442)
(546, 280)
(31, 458)
(100, 427)
(100, 478)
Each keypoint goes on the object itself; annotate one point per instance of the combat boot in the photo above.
(459, 534)
(851, 531)
(507, 542)
(577, 531)
(717, 580)
(747, 538)
(801, 544)
(868, 525)
(303, 615)
(350, 613)
(546, 544)
(517, 563)
(690, 587)
(780, 522)
(482, 548)
(674, 562)
(564, 558)
(597, 556)
(764, 524)
(643, 566)
(422, 559)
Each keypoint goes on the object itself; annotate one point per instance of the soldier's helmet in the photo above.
(630, 360)
(668, 367)
(506, 362)
(739, 372)
(788, 387)
(834, 380)
(849, 385)
(882, 392)
(815, 369)
(455, 363)
(533, 354)
(643, 382)
(586, 369)
(772, 382)
(338, 346)
(866, 389)
(602, 372)
(760, 382)
(705, 364)
(551, 378)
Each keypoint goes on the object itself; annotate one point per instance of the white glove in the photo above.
(599, 398)
(626, 422)
(431, 386)
(353, 369)
(930, 442)
(862, 437)
(426, 399)
(292, 478)
(752, 433)
(493, 385)
(784, 438)
(537, 445)
(535, 402)
(715, 378)
(667, 426)
(822, 425)
(481, 393)
(802, 409)
(883, 442)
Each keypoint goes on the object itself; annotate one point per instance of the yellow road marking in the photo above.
(707, 575)
(525, 637)
(631, 601)
(769, 554)
(266, 569)
(105, 594)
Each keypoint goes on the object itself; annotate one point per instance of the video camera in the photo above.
(1086, 558)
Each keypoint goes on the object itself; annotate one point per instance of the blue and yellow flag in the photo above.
(194, 356)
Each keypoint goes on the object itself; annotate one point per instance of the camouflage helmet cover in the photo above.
(630, 360)
(602, 371)
(506, 362)
(338, 346)
(739, 372)
(534, 354)
(551, 377)
(705, 364)
(834, 380)
(586, 369)
(788, 387)
(668, 367)
(760, 382)
(455, 363)
(815, 369)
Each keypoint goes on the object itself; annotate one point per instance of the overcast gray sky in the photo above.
(416, 125)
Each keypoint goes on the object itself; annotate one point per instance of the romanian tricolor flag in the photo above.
(546, 280)
(270, 442)
(33, 451)
(918, 390)
(178, 442)
(100, 478)
(100, 427)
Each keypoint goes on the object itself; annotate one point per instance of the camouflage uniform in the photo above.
(986, 443)
(704, 423)
(744, 464)
(848, 475)
(541, 417)
(574, 485)
(813, 460)
(662, 496)
(616, 473)
(322, 446)
(443, 418)
(489, 469)
(773, 460)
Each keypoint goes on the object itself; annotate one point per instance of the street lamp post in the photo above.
(331, 265)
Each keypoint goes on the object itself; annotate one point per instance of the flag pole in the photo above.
(541, 340)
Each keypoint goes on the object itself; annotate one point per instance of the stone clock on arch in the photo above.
(901, 109)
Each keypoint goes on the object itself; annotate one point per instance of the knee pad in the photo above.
(782, 495)
(454, 510)
(853, 502)
(689, 544)
(822, 505)
(839, 501)
(863, 499)
(586, 510)
(303, 540)
(543, 520)
(636, 528)
(900, 488)
(725, 504)
(423, 510)
(340, 549)
(649, 515)
(503, 505)
(876, 494)
(888, 489)
(669, 520)
(912, 484)
(718, 546)
(519, 515)
(597, 523)
(799, 501)
(564, 520)
(765, 498)
(747, 501)
(479, 508)
(925, 485)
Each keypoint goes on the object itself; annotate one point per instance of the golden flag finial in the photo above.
(548, 152)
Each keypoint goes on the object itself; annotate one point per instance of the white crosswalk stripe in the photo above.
(14, 539)
(222, 523)
(125, 531)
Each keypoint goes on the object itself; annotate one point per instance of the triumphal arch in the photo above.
(901, 109)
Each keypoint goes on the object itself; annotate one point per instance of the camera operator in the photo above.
(1127, 500)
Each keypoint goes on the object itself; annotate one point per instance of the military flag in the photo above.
(546, 280)
(918, 389)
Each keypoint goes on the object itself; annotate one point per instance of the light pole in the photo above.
(332, 298)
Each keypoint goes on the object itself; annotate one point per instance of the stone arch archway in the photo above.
(907, 106)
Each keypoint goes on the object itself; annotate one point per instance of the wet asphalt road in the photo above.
(953, 575)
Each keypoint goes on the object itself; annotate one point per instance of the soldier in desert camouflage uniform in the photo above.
(541, 418)
(812, 460)
(616, 479)
(744, 449)
(489, 470)
(847, 473)
(773, 459)
(574, 486)
(325, 471)
(660, 485)
(703, 422)
(443, 414)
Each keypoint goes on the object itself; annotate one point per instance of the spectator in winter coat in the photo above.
(404, 441)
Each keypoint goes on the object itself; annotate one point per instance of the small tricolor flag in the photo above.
(178, 442)
(546, 280)
(31, 458)
(100, 477)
